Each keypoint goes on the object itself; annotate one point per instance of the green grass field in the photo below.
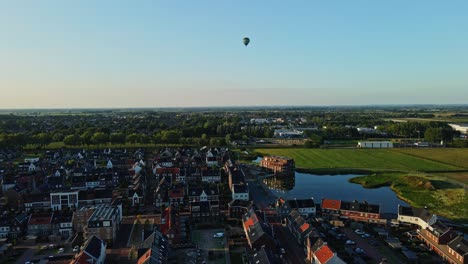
(369, 159)
(422, 177)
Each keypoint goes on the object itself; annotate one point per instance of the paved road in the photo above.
(294, 253)
(27, 256)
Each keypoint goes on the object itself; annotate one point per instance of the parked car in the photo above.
(359, 251)
(282, 251)
(218, 235)
(76, 249)
(359, 232)
(365, 235)
(350, 242)
(61, 250)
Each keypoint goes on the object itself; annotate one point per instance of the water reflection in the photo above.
(280, 183)
(304, 185)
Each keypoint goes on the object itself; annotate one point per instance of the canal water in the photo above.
(305, 185)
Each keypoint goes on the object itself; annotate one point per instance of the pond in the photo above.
(305, 185)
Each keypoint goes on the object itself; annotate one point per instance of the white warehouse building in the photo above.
(375, 144)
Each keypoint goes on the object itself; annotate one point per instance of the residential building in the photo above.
(305, 207)
(63, 199)
(257, 232)
(204, 211)
(458, 250)
(36, 202)
(240, 192)
(203, 194)
(94, 252)
(40, 224)
(265, 256)
(104, 223)
(210, 175)
(416, 216)
(170, 225)
(237, 208)
(158, 252)
(279, 165)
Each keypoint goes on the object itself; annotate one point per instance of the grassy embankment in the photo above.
(422, 177)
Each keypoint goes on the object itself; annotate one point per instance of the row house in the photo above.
(62, 224)
(305, 207)
(170, 225)
(240, 192)
(176, 196)
(210, 175)
(258, 233)
(322, 253)
(445, 242)
(237, 208)
(415, 216)
(94, 252)
(158, 253)
(169, 173)
(13, 227)
(235, 174)
(265, 256)
(36, 202)
(203, 194)
(205, 212)
(40, 224)
(355, 210)
(298, 227)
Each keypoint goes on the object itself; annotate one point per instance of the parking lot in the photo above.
(212, 249)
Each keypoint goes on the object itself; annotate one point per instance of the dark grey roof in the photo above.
(460, 245)
(264, 256)
(416, 212)
(301, 203)
(360, 207)
(439, 228)
(317, 245)
(93, 247)
(240, 188)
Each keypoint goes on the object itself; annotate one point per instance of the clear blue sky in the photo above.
(68, 54)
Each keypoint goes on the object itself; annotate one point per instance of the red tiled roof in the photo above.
(304, 227)
(324, 254)
(176, 193)
(145, 257)
(83, 258)
(40, 219)
(331, 204)
(250, 222)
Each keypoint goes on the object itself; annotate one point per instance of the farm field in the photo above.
(373, 159)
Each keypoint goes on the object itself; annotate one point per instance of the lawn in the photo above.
(368, 159)
(452, 156)
(420, 190)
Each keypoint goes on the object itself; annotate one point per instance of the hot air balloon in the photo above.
(246, 41)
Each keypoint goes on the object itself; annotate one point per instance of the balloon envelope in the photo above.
(246, 41)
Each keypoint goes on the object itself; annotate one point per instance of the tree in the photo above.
(133, 138)
(117, 138)
(72, 140)
(99, 138)
(433, 134)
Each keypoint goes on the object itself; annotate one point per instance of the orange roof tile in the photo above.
(331, 204)
(304, 227)
(145, 257)
(324, 254)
